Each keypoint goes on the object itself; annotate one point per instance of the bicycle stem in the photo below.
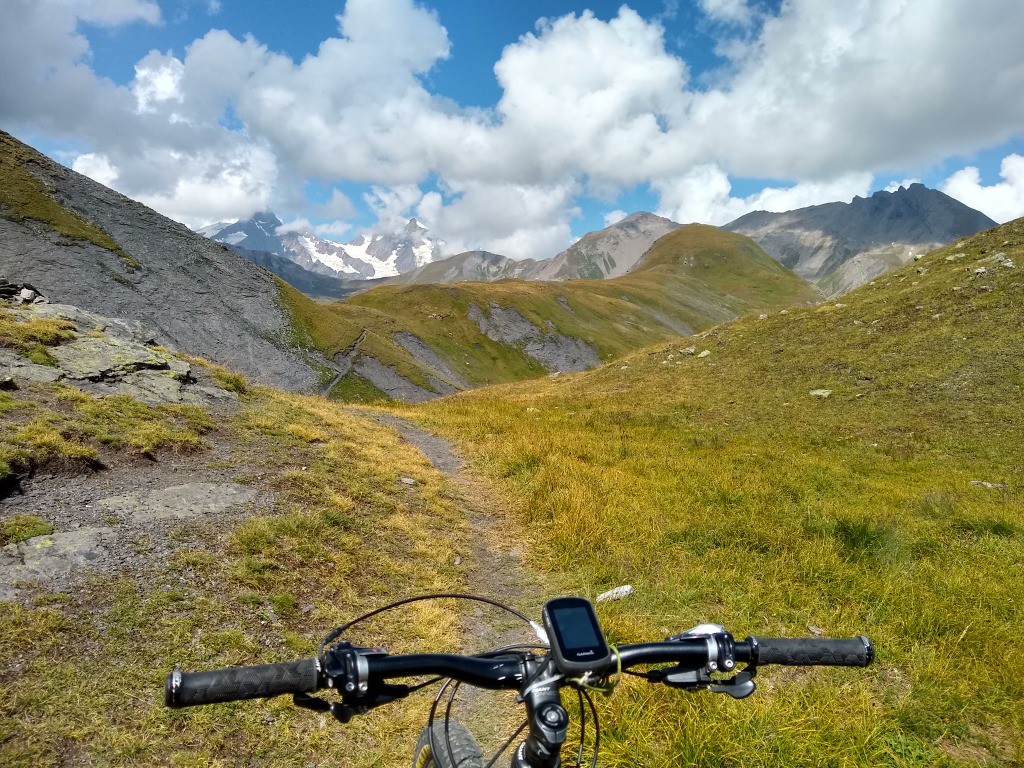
(548, 721)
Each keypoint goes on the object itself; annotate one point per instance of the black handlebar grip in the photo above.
(806, 651)
(188, 689)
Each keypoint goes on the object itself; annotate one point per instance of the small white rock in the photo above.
(616, 594)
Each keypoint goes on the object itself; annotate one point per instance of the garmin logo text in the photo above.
(586, 653)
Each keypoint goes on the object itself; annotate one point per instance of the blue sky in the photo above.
(518, 126)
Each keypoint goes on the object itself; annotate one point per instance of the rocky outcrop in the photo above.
(110, 357)
(419, 349)
(553, 350)
(873, 235)
(56, 558)
(394, 385)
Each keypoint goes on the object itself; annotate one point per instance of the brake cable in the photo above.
(337, 632)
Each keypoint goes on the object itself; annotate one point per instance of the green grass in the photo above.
(724, 491)
(21, 527)
(718, 486)
(352, 388)
(24, 196)
(31, 336)
(68, 428)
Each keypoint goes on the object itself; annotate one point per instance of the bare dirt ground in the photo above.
(130, 515)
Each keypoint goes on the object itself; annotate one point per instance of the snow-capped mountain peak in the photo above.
(370, 255)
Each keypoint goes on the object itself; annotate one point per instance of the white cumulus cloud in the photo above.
(614, 217)
(205, 187)
(731, 11)
(157, 79)
(821, 94)
(1002, 201)
(515, 220)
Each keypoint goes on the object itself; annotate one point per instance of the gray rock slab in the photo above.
(102, 357)
(419, 349)
(44, 558)
(179, 501)
(21, 369)
(89, 322)
(555, 351)
(396, 386)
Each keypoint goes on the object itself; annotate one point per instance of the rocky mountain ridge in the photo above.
(840, 246)
(602, 254)
(610, 252)
(371, 255)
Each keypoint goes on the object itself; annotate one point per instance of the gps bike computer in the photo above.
(577, 642)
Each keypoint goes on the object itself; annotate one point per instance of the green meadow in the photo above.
(849, 468)
(692, 279)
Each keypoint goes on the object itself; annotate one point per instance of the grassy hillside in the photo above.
(854, 467)
(695, 277)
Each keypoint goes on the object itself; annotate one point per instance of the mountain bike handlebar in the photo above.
(354, 671)
(573, 652)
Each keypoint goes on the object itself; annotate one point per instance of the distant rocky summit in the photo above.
(371, 255)
(609, 252)
(606, 253)
(468, 267)
(80, 243)
(840, 246)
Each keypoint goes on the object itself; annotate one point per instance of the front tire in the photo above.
(457, 749)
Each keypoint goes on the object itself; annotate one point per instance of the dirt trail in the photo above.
(496, 571)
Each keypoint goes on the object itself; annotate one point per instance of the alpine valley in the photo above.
(673, 407)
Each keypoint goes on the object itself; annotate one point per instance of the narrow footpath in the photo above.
(497, 571)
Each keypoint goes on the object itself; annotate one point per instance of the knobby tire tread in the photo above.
(465, 753)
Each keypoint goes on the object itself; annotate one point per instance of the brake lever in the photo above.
(346, 670)
(341, 712)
